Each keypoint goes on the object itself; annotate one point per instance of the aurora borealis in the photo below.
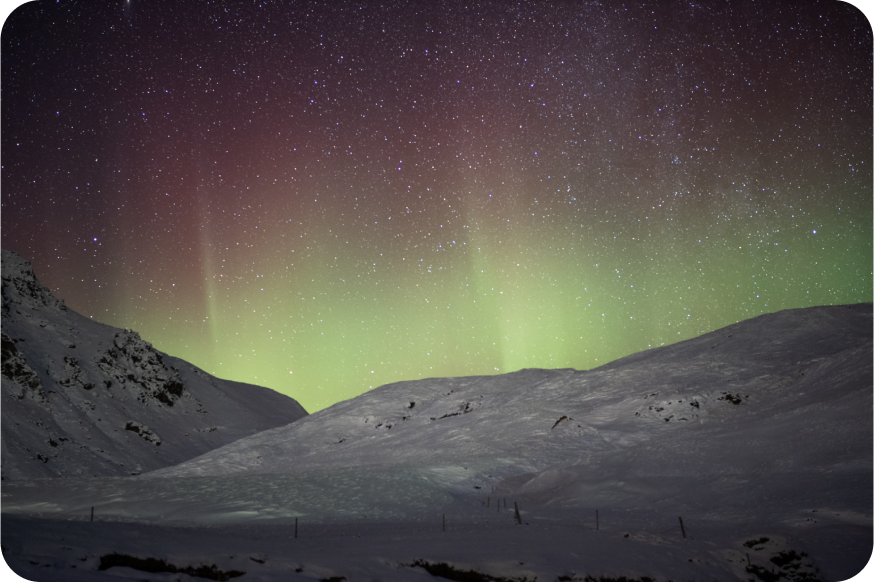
(323, 197)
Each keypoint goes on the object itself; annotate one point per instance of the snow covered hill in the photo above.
(743, 454)
(790, 389)
(80, 398)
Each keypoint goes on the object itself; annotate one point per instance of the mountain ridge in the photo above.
(740, 368)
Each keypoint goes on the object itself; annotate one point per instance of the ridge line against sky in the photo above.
(325, 197)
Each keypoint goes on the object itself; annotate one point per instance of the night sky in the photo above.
(323, 197)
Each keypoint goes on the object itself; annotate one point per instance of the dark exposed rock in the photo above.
(143, 431)
(133, 362)
(72, 376)
(729, 397)
(16, 369)
(20, 287)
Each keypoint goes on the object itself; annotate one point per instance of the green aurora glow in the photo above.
(294, 197)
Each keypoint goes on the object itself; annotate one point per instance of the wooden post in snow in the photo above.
(518, 517)
(682, 529)
(295, 528)
(92, 513)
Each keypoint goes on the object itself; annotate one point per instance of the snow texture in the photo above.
(80, 398)
(743, 454)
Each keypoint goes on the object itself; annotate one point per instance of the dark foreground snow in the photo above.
(757, 436)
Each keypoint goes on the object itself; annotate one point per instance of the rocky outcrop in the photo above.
(21, 288)
(71, 375)
(144, 431)
(16, 369)
(134, 363)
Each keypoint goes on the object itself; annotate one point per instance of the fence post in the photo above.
(92, 513)
(518, 517)
(682, 529)
(295, 528)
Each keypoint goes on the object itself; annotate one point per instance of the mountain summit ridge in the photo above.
(21, 287)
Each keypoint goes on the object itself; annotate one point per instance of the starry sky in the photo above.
(324, 197)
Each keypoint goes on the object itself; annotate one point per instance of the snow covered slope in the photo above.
(791, 391)
(744, 454)
(83, 398)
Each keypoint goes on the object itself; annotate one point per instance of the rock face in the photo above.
(132, 360)
(16, 369)
(21, 288)
(80, 398)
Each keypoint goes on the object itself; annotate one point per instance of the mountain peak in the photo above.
(21, 287)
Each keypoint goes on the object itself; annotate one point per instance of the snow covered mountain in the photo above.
(799, 380)
(743, 454)
(83, 398)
